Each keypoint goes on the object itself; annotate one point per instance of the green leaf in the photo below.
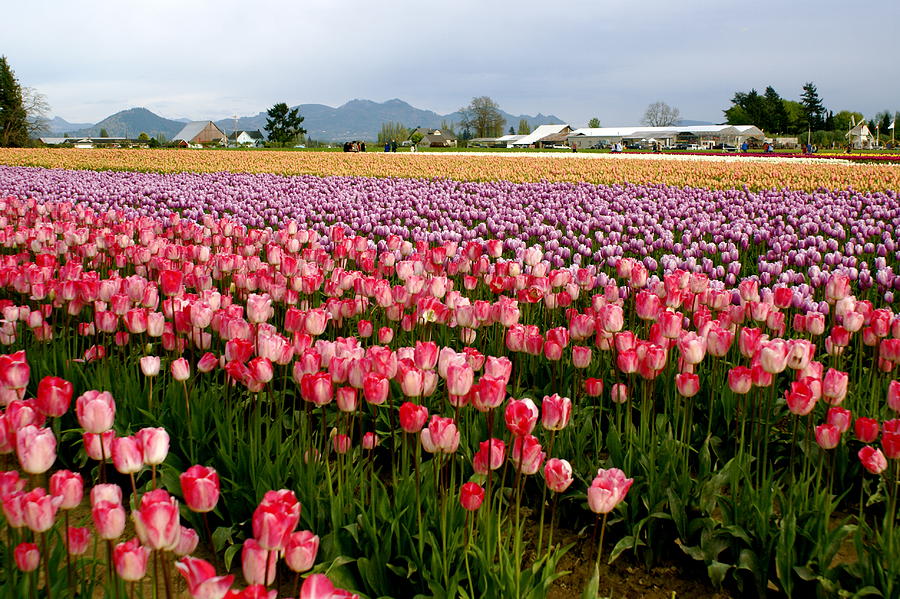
(593, 585)
(229, 555)
(717, 572)
(221, 536)
(628, 542)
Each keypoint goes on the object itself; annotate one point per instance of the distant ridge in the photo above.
(357, 119)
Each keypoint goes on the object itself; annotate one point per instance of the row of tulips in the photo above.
(605, 169)
(261, 346)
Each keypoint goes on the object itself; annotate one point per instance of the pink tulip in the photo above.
(619, 393)
(258, 564)
(893, 396)
(130, 560)
(157, 521)
(872, 459)
(800, 400)
(68, 486)
(317, 586)
(39, 509)
(828, 436)
(53, 396)
(10, 482)
(126, 455)
(556, 412)
(341, 443)
(526, 454)
(376, 388)
(78, 539)
(154, 444)
(98, 446)
(460, 378)
(108, 518)
(840, 418)
(96, 411)
(490, 456)
(521, 416)
(834, 386)
(201, 578)
(180, 369)
(275, 518)
(188, 539)
(300, 551)
(27, 557)
(36, 449)
(200, 488)
(558, 475)
(150, 365)
(687, 384)
(607, 490)
(441, 435)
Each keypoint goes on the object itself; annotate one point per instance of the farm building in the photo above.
(700, 136)
(434, 138)
(199, 133)
(246, 138)
(544, 137)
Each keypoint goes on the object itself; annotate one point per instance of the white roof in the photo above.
(646, 132)
(539, 134)
(510, 138)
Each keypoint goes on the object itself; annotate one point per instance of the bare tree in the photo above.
(660, 114)
(37, 108)
(482, 116)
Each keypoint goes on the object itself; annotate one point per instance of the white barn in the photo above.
(702, 136)
(534, 138)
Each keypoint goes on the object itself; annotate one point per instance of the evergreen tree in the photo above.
(13, 117)
(511, 130)
(524, 127)
(104, 132)
(283, 123)
(813, 109)
(594, 123)
(776, 114)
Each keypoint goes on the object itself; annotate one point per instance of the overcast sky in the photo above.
(575, 59)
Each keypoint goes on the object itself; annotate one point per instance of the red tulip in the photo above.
(207, 362)
(341, 443)
(53, 396)
(68, 486)
(200, 488)
(471, 495)
(130, 560)
(866, 429)
(14, 370)
(317, 586)
(317, 388)
(412, 417)
(300, 551)
(27, 557)
(890, 439)
(593, 387)
(521, 415)
(607, 490)
(96, 411)
(800, 400)
(376, 388)
(872, 459)
(157, 521)
(170, 282)
(558, 475)
(201, 578)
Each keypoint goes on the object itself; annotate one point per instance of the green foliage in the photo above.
(394, 132)
(524, 127)
(482, 118)
(813, 109)
(283, 124)
(594, 123)
(104, 132)
(13, 116)
(143, 137)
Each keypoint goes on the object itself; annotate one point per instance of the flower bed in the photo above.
(376, 412)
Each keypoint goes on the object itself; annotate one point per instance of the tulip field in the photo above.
(319, 375)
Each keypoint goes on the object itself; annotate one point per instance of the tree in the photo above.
(524, 127)
(594, 123)
(482, 116)
(283, 124)
(512, 130)
(394, 132)
(36, 109)
(104, 132)
(845, 120)
(143, 137)
(13, 116)
(660, 114)
(813, 109)
(776, 113)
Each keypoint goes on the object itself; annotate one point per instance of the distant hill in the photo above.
(131, 123)
(58, 125)
(362, 119)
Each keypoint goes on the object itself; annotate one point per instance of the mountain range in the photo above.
(357, 119)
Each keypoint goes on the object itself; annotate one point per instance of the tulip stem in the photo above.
(166, 577)
(68, 555)
(419, 503)
(600, 545)
(113, 581)
(46, 560)
(133, 489)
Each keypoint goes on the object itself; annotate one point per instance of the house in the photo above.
(199, 133)
(246, 138)
(507, 141)
(860, 136)
(536, 139)
(434, 138)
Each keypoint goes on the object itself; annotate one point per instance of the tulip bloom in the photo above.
(130, 560)
(619, 393)
(258, 564)
(201, 578)
(521, 415)
(300, 551)
(872, 459)
(412, 417)
(39, 509)
(108, 518)
(126, 455)
(834, 386)
(593, 387)
(441, 435)
(275, 518)
(200, 488)
(556, 412)
(893, 396)
(607, 490)
(27, 557)
(558, 475)
(526, 454)
(180, 369)
(53, 396)
(489, 456)
(68, 486)
(154, 444)
(687, 384)
(471, 495)
(78, 539)
(150, 365)
(96, 411)
(35, 448)
(828, 436)
(866, 429)
(157, 521)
